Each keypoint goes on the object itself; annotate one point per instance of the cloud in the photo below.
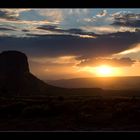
(25, 30)
(21, 27)
(81, 22)
(133, 52)
(93, 19)
(102, 13)
(87, 36)
(53, 67)
(69, 45)
(135, 49)
(67, 18)
(49, 27)
(106, 29)
(122, 62)
(42, 16)
(56, 61)
(27, 22)
(101, 18)
(6, 29)
(126, 19)
(78, 11)
(14, 17)
(73, 31)
(53, 15)
(11, 14)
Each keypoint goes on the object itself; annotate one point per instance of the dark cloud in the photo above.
(48, 27)
(70, 31)
(127, 19)
(63, 45)
(80, 31)
(6, 29)
(122, 62)
(135, 23)
(137, 30)
(25, 30)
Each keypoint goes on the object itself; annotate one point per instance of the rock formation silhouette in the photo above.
(15, 76)
(13, 63)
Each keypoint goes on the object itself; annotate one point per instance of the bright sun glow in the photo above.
(105, 70)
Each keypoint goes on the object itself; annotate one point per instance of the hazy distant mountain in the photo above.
(115, 83)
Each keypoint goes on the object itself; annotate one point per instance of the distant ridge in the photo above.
(113, 83)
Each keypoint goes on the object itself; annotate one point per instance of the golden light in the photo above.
(105, 70)
(102, 70)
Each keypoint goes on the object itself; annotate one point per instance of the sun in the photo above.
(105, 70)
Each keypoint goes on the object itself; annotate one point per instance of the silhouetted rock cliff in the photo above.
(13, 62)
(15, 76)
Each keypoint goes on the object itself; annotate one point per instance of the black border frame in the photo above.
(69, 4)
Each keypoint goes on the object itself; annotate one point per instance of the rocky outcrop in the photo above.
(15, 76)
(13, 63)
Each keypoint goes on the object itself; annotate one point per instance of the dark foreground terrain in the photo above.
(70, 113)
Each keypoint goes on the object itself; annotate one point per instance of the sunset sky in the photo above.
(71, 43)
